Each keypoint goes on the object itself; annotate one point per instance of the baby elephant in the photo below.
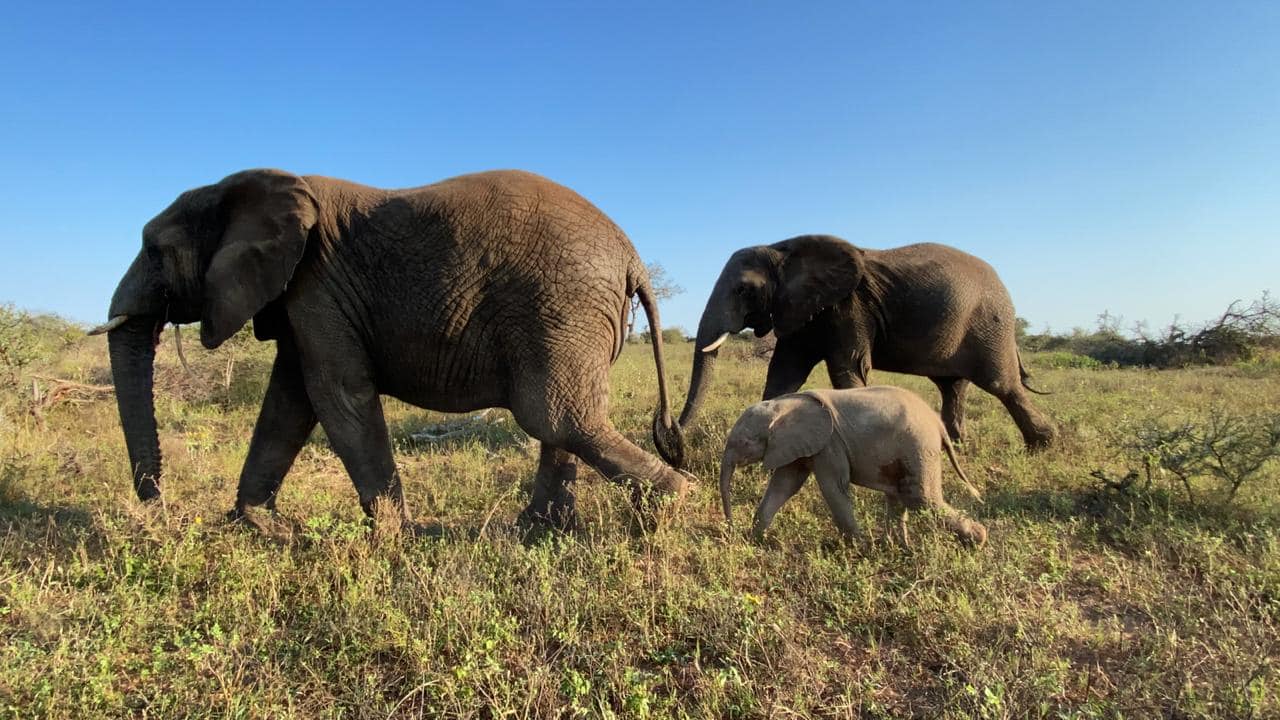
(880, 437)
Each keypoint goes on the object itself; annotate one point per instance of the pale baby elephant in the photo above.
(884, 438)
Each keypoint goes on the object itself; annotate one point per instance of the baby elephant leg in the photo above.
(832, 471)
(786, 481)
(895, 519)
(927, 493)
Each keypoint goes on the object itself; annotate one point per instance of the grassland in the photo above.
(1087, 602)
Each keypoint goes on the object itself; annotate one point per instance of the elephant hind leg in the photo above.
(895, 519)
(967, 529)
(600, 446)
(571, 414)
(552, 501)
(1038, 432)
(923, 489)
(619, 460)
(953, 391)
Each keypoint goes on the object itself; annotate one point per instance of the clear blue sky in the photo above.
(1101, 155)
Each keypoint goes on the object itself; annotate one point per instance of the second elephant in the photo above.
(921, 309)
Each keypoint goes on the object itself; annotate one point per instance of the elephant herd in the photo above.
(504, 289)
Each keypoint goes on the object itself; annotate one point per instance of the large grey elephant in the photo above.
(498, 289)
(884, 438)
(922, 309)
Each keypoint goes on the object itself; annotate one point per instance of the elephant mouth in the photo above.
(759, 322)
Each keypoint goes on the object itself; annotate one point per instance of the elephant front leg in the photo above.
(346, 401)
(284, 423)
(793, 359)
(784, 484)
(553, 502)
(849, 370)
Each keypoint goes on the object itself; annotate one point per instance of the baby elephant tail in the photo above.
(951, 453)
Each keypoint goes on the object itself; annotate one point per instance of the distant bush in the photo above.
(670, 336)
(1061, 359)
(1242, 333)
(27, 338)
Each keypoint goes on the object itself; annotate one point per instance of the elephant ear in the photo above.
(266, 217)
(816, 272)
(801, 427)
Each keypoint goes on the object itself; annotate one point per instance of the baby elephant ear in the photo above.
(266, 217)
(801, 428)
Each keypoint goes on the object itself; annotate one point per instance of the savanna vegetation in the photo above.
(1133, 570)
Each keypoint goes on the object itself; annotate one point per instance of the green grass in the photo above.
(1085, 603)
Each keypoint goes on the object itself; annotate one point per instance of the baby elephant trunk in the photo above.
(727, 465)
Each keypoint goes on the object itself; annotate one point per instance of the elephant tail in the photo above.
(951, 453)
(1024, 376)
(667, 437)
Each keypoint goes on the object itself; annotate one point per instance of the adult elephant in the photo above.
(921, 309)
(498, 289)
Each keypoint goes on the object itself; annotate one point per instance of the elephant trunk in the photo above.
(713, 330)
(138, 311)
(727, 465)
(132, 347)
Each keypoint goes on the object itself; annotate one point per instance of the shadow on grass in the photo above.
(23, 512)
(33, 530)
(1124, 517)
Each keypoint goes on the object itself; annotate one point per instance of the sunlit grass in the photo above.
(1085, 602)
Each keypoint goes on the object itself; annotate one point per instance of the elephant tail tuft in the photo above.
(667, 436)
(1024, 376)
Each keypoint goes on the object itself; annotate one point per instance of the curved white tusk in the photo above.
(109, 325)
(719, 341)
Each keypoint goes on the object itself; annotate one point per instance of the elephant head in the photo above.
(777, 287)
(218, 255)
(779, 432)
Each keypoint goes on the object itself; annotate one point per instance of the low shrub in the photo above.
(1223, 448)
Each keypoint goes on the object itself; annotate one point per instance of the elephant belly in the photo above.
(435, 374)
(450, 400)
(879, 469)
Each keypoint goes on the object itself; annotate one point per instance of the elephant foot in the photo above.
(656, 505)
(272, 525)
(1039, 440)
(974, 534)
(559, 514)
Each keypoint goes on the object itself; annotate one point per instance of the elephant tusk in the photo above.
(718, 342)
(109, 325)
